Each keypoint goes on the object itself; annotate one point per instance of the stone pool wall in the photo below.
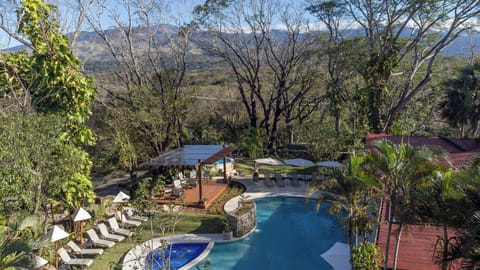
(244, 223)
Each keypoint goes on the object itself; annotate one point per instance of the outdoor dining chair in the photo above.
(69, 261)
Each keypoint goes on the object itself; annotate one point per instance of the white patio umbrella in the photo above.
(54, 234)
(300, 162)
(121, 197)
(269, 161)
(38, 261)
(80, 216)
(333, 164)
(338, 256)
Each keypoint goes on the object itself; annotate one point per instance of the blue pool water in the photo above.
(290, 235)
(220, 161)
(180, 255)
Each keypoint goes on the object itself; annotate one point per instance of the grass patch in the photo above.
(245, 167)
(190, 223)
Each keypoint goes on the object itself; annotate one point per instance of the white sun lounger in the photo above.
(131, 214)
(97, 241)
(85, 251)
(116, 228)
(105, 234)
(127, 222)
(67, 260)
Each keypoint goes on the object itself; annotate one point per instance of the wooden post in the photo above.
(199, 181)
(224, 169)
(81, 234)
(56, 255)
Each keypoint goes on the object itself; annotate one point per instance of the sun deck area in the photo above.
(211, 190)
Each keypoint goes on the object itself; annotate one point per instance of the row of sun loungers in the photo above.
(105, 238)
(294, 180)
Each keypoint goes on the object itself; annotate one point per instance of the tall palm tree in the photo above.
(399, 170)
(348, 192)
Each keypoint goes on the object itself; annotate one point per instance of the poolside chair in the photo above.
(279, 180)
(69, 261)
(130, 212)
(177, 189)
(96, 241)
(268, 181)
(127, 222)
(206, 176)
(192, 180)
(85, 251)
(116, 228)
(295, 181)
(107, 235)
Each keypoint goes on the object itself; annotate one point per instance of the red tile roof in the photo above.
(460, 150)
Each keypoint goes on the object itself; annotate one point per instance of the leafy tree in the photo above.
(35, 166)
(461, 106)
(400, 41)
(367, 256)
(273, 71)
(48, 81)
(149, 86)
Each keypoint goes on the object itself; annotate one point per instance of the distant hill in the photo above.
(95, 54)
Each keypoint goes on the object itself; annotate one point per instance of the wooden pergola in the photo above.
(193, 155)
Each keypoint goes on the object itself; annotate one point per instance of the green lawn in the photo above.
(245, 167)
(190, 223)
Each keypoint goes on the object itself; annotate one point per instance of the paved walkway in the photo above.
(258, 189)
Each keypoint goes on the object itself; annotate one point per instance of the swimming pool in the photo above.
(289, 235)
(180, 254)
(220, 161)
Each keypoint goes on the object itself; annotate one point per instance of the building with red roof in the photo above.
(418, 241)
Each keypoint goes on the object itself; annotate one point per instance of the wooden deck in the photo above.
(417, 244)
(211, 190)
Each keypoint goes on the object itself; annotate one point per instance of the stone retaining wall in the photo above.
(245, 223)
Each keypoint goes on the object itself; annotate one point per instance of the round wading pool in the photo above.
(178, 254)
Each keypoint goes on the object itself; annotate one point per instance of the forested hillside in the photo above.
(262, 77)
(100, 86)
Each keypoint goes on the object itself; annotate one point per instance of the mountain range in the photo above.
(90, 48)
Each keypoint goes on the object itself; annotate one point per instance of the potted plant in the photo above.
(227, 230)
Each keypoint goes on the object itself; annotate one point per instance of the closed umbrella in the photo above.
(80, 216)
